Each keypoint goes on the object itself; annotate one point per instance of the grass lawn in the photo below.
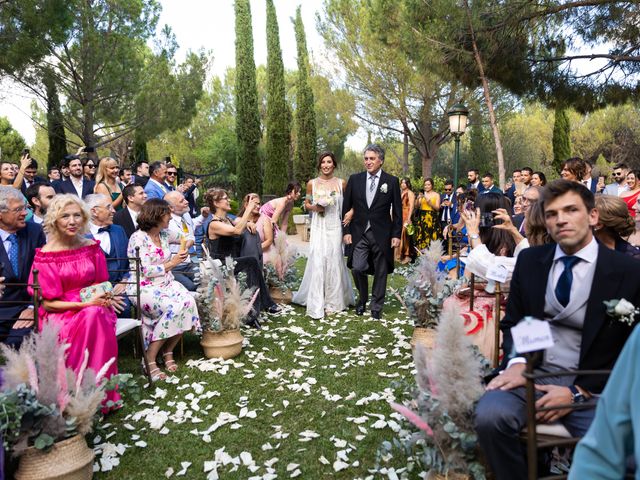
(305, 399)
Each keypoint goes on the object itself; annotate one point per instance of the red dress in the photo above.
(61, 276)
(631, 201)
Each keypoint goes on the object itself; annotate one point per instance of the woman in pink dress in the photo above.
(67, 263)
(278, 209)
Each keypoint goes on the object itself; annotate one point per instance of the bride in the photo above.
(326, 285)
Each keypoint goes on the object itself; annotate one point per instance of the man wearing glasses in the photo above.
(172, 177)
(448, 208)
(19, 240)
(619, 184)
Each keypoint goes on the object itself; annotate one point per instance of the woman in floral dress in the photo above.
(168, 309)
(428, 204)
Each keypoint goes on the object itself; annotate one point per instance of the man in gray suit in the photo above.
(619, 184)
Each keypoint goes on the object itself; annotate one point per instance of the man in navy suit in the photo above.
(17, 250)
(375, 228)
(76, 184)
(447, 205)
(566, 284)
(113, 242)
(29, 176)
(134, 197)
(488, 185)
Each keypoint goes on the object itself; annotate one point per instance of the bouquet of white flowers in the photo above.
(324, 198)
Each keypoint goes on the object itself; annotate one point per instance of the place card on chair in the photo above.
(531, 335)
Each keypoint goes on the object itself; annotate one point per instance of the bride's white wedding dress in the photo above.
(326, 285)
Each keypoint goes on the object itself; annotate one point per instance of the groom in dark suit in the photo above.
(564, 283)
(375, 228)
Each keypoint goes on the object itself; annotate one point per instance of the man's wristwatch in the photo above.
(474, 236)
(576, 395)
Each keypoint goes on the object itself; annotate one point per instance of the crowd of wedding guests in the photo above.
(79, 227)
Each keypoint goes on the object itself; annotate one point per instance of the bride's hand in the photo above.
(347, 218)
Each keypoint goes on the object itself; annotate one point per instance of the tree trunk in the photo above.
(487, 98)
(405, 153)
(427, 165)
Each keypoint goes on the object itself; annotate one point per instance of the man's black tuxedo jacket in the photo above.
(29, 238)
(123, 218)
(616, 276)
(36, 179)
(384, 215)
(67, 187)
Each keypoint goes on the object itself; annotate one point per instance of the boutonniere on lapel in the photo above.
(383, 188)
(621, 310)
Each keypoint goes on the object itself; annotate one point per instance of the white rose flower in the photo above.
(624, 307)
(383, 188)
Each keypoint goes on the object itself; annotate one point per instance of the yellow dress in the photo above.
(427, 227)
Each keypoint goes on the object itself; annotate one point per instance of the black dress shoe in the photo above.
(360, 309)
(377, 314)
(274, 308)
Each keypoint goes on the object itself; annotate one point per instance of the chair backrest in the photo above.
(34, 300)
(133, 272)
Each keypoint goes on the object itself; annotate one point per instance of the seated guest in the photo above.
(77, 184)
(611, 445)
(614, 223)
(528, 198)
(134, 197)
(155, 187)
(168, 309)
(181, 224)
(67, 264)
(107, 182)
(39, 196)
(19, 242)
(113, 243)
(565, 284)
(278, 209)
(225, 240)
(573, 170)
(263, 227)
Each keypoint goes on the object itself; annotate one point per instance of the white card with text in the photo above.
(531, 335)
(497, 273)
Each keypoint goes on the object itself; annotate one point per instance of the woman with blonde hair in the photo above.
(107, 182)
(74, 285)
(615, 224)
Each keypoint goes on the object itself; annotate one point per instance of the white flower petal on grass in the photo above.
(169, 472)
(210, 465)
(324, 461)
(128, 426)
(266, 446)
(339, 465)
(379, 424)
(271, 462)
(185, 466)
(246, 458)
(307, 436)
(296, 473)
(292, 466)
(141, 444)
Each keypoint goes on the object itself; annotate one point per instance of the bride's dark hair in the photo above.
(326, 154)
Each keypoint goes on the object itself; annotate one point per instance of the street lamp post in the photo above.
(458, 116)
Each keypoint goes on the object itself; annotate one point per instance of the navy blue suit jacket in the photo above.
(67, 187)
(29, 238)
(454, 216)
(117, 256)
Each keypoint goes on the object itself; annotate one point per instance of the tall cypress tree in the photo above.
(305, 156)
(561, 138)
(247, 115)
(278, 136)
(55, 127)
(140, 153)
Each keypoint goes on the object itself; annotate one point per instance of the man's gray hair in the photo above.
(95, 199)
(374, 147)
(7, 194)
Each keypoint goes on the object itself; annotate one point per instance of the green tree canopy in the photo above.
(11, 142)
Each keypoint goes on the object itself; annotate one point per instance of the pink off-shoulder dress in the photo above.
(62, 275)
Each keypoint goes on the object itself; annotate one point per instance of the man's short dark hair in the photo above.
(129, 191)
(448, 181)
(516, 170)
(34, 191)
(557, 188)
(374, 147)
(528, 169)
(124, 169)
(52, 168)
(621, 165)
(488, 175)
(137, 165)
(33, 164)
(155, 166)
(474, 170)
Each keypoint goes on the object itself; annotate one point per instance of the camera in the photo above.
(487, 219)
(25, 151)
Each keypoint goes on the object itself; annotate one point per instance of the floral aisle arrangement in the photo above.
(427, 289)
(223, 303)
(441, 405)
(280, 274)
(45, 404)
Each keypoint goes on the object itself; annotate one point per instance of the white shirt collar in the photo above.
(163, 187)
(589, 253)
(376, 175)
(4, 235)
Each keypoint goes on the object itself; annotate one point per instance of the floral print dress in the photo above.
(168, 309)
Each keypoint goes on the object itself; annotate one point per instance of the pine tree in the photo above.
(277, 122)
(247, 115)
(305, 156)
(140, 153)
(55, 127)
(561, 138)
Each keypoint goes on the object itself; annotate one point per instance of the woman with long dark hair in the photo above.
(408, 199)
(428, 204)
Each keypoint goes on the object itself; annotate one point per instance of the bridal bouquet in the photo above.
(324, 198)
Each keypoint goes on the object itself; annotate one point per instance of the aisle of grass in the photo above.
(305, 399)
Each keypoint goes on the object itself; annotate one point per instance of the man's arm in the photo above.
(347, 204)
(396, 208)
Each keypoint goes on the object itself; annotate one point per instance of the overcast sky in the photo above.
(201, 23)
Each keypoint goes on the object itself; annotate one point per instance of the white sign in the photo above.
(531, 335)
(497, 273)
